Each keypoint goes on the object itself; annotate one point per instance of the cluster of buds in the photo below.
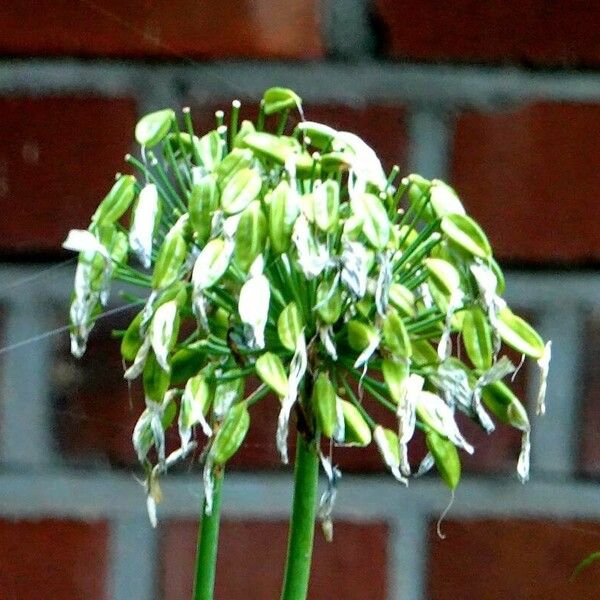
(294, 260)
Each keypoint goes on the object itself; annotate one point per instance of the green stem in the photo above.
(208, 540)
(302, 525)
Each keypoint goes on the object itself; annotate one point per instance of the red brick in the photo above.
(58, 157)
(53, 560)
(533, 32)
(185, 29)
(527, 175)
(508, 558)
(252, 554)
(93, 412)
(589, 436)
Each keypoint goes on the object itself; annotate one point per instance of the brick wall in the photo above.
(502, 99)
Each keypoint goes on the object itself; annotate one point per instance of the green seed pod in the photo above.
(395, 374)
(186, 363)
(357, 430)
(329, 302)
(444, 200)
(320, 135)
(250, 236)
(360, 335)
(477, 337)
(324, 404)
(389, 448)
(278, 99)
(327, 205)
(210, 149)
(518, 334)
(236, 160)
(289, 326)
(153, 128)
(241, 189)
(307, 206)
(156, 380)
(181, 142)
(465, 233)
(501, 282)
(376, 225)
(403, 299)
(444, 275)
(196, 401)
(272, 372)
(227, 394)
(132, 340)
(171, 256)
(204, 200)
(211, 264)
(279, 149)
(283, 212)
(116, 202)
(446, 458)
(245, 128)
(231, 434)
(501, 401)
(336, 162)
(424, 353)
(395, 335)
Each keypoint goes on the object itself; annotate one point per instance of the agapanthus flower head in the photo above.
(289, 257)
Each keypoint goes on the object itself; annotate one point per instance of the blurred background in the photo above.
(501, 98)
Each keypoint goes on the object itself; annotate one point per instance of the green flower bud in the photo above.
(320, 135)
(241, 189)
(272, 372)
(231, 434)
(403, 299)
(235, 161)
(357, 430)
(278, 99)
(210, 149)
(477, 337)
(250, 235)
(444, 275)
(443, 199)
(283, 212)
(395, 375)
(330, 302)
(204, 200)
(289, 326)
(324, 405)
(116, 202)
(518, 334)
(446, 458)
(395, 335)
(156, 379)
(171, 257)
(505, 405)
(465, 233)
(327, 205)
(360, 335)
(376, 225)
(152, 128)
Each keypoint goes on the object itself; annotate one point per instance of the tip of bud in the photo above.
(185, 109)
(236, 104)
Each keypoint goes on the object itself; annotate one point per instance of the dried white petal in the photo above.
(365, 163)
(339, 432)
(253, 308)
(298, 366)
(523, 463)
(492, 303)
(209, 485)
(326, 335)
(135, 370)
(444, 348)
(426, 297)
(142, 442)
(161, 332)
(390, 458)
(327, 501)
(544, 366)
(406, 413)
(313, 258)
(366, 354)
(190, 413)
(355, 268)
(384, 281)
(141, 233)
(425, 465)
(442, 419)
(82, 240)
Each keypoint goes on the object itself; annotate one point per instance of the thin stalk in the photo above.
(208, 541)
(302, 524)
